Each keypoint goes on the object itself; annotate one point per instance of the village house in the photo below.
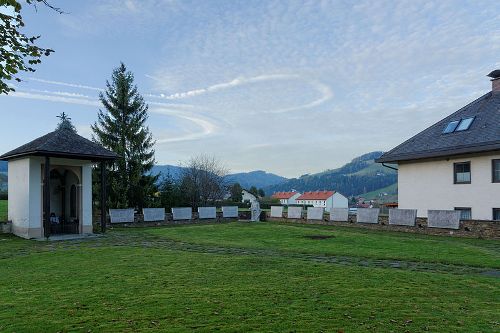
(287, 198)
(50, 184)
(248, 196)
(325, 199)
(455, 163)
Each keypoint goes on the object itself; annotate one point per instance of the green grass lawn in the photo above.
(140, 280)
(3, 210)
(346, 241)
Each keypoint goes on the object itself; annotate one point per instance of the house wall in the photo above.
(25, 199)
(86, 195)
(336, 201)
(25, 194)
(247, 196)
(430, 185)
(293, 199)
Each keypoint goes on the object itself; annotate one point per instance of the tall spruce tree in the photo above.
(121, 127)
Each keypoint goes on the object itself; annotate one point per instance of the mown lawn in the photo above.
(3, 210)
(134, 280)
(345, 241)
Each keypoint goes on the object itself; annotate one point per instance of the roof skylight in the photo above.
(458, 125)
(451, 126)
(464, 124)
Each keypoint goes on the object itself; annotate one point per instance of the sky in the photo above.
(289, 87)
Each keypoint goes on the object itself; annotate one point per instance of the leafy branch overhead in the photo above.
(18, 52)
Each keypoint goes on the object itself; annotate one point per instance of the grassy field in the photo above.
(247, 277)
(3, 210)
(345, 241)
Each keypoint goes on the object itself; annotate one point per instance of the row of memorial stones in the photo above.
(178, 214)
(448, 219)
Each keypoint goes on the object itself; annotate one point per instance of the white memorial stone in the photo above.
(367, 215)
(230, 211)
(153, 214)
(255, 211)
(446, 219)
(294, 212)
(182, 213)
(277, 211)
(339, 214)
(315, 213)
(402, 217)
(207, 213)
(121, 215)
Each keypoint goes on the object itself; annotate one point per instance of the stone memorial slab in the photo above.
(230, 211)
(315, 213)
(207, 213)
(403, 217)
(121, 215)
(446, 219)
(367, 215)
(339, 214)
(294, 212)
(255, 211)
(182, 213)
(277, 211)
(153, 214)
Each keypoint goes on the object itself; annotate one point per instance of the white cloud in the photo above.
(204, 127)
(54, 98)
(66, 84)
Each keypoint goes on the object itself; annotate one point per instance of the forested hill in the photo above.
(360, 176)
(257, 178)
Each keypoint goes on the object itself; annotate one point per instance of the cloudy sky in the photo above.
(289, 87)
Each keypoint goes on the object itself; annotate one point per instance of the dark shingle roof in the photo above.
(483, 135)
(62, 143)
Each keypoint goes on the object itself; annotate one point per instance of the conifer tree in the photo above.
(121, 127)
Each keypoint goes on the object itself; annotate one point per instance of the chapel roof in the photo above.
(64, 143)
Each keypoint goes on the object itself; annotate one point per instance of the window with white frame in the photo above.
(461, 173)
(495, 170)
(465, 213)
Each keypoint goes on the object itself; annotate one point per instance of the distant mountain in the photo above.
(259, 179)
(360, 176)
(174, 171)
(3, 166)
(3, 182)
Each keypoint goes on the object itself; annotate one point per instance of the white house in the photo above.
(50, 184)
(326, 199)
(247, 196)
(286, 198)
(455, 163)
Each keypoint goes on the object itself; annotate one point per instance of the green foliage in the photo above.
(3, 209)
(65, 123)
(171, 194)
(18, 52)
(236, 192)
(261, 193)
(254, 190)
(121, 127)
(360, 176)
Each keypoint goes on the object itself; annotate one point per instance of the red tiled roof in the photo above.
(283, 195)
(317, 195)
